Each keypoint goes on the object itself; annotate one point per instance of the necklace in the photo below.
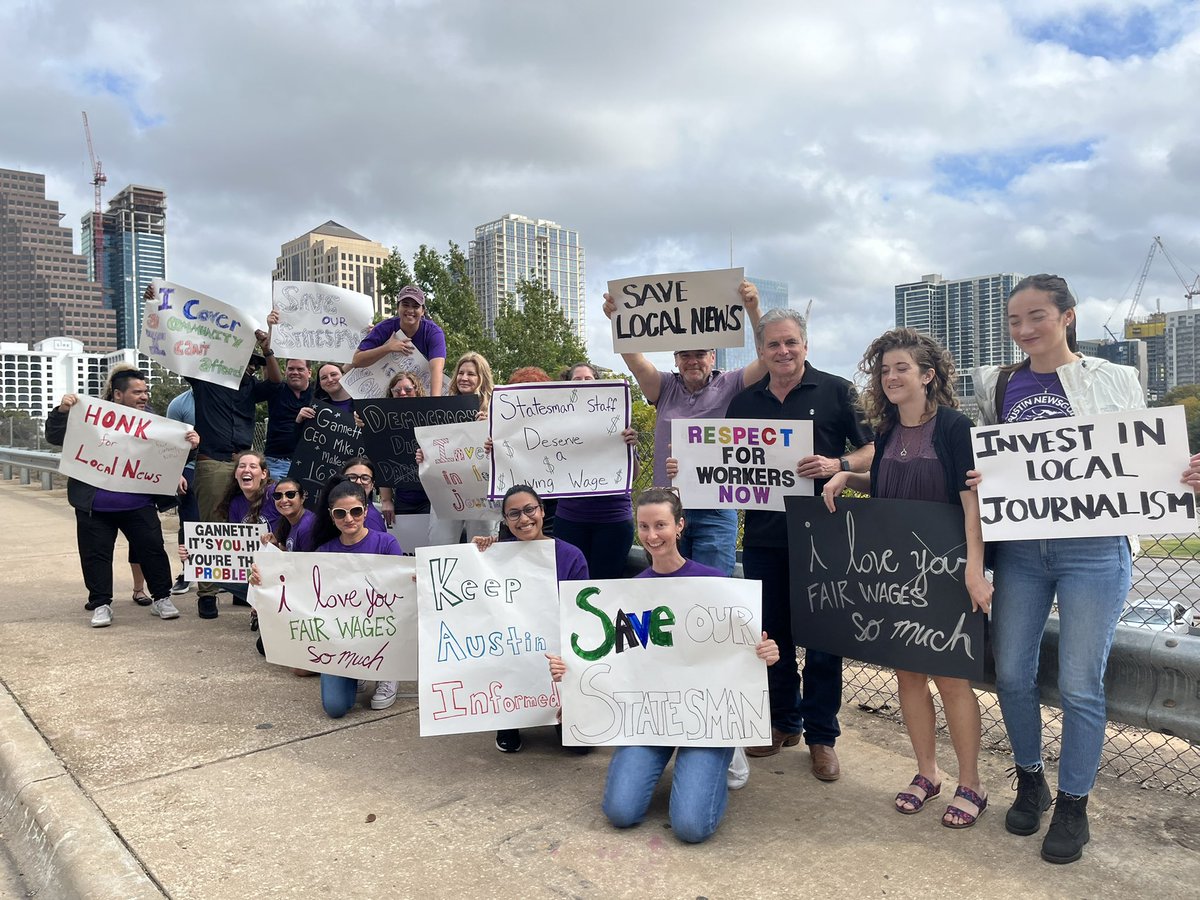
(917, 428)
(1048, 388)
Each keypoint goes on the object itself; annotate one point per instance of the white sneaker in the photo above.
(739, 770)
(384, 696)
(164, 609)
(102, 616)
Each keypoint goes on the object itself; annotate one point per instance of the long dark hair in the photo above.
(235, 490)
(335, 489)
(928, 355)
(283, 528)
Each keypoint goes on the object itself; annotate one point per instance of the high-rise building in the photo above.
(133, 252)
(44, 286)
(771, 295)
(1182, 335)
(333, 254)
(515, 247)
(1152, 330)
(35, 378)
(968, 316)
(1124, 353)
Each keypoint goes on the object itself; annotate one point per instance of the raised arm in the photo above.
(644, 372)
(754, 372)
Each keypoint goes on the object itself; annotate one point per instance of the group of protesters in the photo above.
(901, 436)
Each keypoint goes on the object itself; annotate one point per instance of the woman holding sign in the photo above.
(923, 452)
(404, 503)
(473, 375)
(294, 530)
(700, 784)
(329, 387)
(404, 333)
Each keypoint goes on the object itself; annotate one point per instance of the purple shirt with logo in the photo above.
(429, 338)
(1030, 396)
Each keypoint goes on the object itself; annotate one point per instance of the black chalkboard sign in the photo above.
(326, 442)
(884, 581)
(388, 435)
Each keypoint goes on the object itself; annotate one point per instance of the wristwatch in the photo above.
(268, 353)
(845, 464)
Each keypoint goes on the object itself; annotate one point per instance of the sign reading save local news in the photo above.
(679, 311)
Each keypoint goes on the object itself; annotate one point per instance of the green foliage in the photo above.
(1187, 396)
(534, 332)
(450, 301)
(19, 429)
(166, 387)
(392, 275)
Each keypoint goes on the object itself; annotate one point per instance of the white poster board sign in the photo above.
(486, 622)
(678, 311)
(457, 470)
(197, 336)
(348, 614)
(319, 321)
(1085, 476)
(562, 438)
(120, 448)
(370, 382)
(663, 662)
(740, 463)
(221, 551)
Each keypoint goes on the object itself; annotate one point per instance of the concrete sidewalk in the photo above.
(159, 758)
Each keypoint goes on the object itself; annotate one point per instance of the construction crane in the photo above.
(99, 179)
(1189, 290)
(1141, 283)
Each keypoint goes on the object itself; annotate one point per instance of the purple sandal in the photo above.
(918, 803)
(960, 818)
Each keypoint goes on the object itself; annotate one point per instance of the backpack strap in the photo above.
(1002, 384)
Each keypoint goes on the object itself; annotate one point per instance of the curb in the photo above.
(57, 835)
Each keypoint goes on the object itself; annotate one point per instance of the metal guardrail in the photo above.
(26, 462)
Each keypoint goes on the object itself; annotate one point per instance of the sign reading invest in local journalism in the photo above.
(456, 470)
(221, 551)
(197, 336)
(664, 662)
(740, 463)
(679, 311)
(348, 614)
(120, 448)
(884, 581)
(319, 320)
(1086, 476)
(563, 439)
(486, 622)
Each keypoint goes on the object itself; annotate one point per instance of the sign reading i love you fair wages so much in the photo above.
(740, 463)
(664, 662)
(120, 448)
(680, 311)
(319, 320)
(563, 439)
(487, 620)
(1086, 476)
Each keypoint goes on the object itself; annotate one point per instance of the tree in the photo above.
(450, 301)
(167, 386)
(1187, 396)
(392, 275)
(18, 428)
(534, 333)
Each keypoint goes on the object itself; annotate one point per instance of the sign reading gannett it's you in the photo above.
(1086, 476)
(679, 311)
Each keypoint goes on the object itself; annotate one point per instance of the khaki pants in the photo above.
(213, 478)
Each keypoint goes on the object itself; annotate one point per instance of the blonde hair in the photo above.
(486, 379)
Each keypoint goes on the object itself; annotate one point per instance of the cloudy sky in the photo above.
(846, 147)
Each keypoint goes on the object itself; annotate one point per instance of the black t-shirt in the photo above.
(225, 416)
(282, 408)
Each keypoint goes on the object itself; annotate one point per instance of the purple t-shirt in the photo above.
(689, 569)
(429, 339)
(1030, 396)
(674, 402)
(375, 519)
(119, 501)
(299, 539)
(379, 542)
(239, 510)
(609, 508)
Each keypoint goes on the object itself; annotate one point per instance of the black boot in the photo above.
(1033, 799)
(1068, 830)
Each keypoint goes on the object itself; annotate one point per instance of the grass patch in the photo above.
(1171, 547)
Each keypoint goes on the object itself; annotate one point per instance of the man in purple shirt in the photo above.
(403, 333)
(697, 391)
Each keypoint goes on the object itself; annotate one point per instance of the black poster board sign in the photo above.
(884, 581)
(388, 436)
(326, 442)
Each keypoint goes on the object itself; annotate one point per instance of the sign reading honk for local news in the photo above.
(123, 449)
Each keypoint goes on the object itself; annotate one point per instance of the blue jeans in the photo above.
(1091, 577)
(605, 545)
(710, 537)
(279, 466)
(338, 694)
(815, 711)
(698, 788)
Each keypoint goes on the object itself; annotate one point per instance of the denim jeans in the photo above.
(710, 538)
(338, 694)
(1091, 577)
(605, 545)
(698, 787)
(815, 711)
(279, 466)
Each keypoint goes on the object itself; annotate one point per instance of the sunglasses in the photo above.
(354, 512)
(291, 495)
(403, 390)
(514, 515)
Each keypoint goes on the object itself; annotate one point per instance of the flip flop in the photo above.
(918, 803)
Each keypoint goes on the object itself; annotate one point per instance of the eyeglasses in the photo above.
(403, 390)
(354, 512)
(360, 479)
(291, 495)
(514, 515)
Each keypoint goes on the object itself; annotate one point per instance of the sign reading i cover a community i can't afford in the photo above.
(123, 449)
(486, 621)
(563, 439)
(319, 320)
(740, 463)
(1086, 476)
(197, 336)
(678, 311)
(665, 662)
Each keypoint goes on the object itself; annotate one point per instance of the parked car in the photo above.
(1157, 614)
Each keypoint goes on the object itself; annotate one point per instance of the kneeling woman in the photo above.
(699, 786)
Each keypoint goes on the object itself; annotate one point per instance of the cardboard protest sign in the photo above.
(884, 581)
(664, 662)
(388, 436)
(680, 311)
(197, 336)
(326, 442)
(221, 551)
(319, 320)
(348, 614)
(740, 463)
(456, 472)
(370, 381)
(120, 448)
(486, 621)
(563, 439)
(1085, 476)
